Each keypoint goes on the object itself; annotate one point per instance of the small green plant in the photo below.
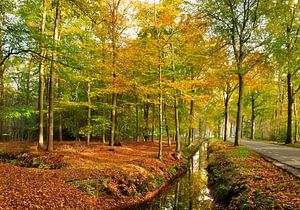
(159, 181)
(173, 170)
(240, 152)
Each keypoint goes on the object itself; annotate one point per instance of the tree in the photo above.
(238, 23)
(41, 77)
(286, 33)
(56, 35)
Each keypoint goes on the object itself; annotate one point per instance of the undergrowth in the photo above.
(240, 179)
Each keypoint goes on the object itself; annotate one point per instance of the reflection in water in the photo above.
(188, 192)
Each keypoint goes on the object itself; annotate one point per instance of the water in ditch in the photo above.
(190, 191)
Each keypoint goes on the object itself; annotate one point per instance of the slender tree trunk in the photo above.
(26, 131)
(113, 119)
(191, 126)
(191, 129)
(296, 121)
(289, 135)
(114, 66)
(253, 115)
(200, 131)
(177, 128)
(1, 97)
(105, 116)
(153, 122)
(52, 76)
(146, 119)
(2, 70)
(167, 125)
(226, 112)
(160, 116)
(60, 121)
(137, 135)
(89, 114)
(281, 99)
(239, 121)
(176, 115)
(28, 82)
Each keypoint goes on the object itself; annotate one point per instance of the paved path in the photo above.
(285, 155)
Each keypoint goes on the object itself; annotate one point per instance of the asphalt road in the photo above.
(283, 154)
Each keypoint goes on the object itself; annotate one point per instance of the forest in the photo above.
(118, 70)
(104, 104)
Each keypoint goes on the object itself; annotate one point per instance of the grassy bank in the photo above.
(241, 179)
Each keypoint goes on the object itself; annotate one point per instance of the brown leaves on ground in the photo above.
(268, 187)
(127, 174)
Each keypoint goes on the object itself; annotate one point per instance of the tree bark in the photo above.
(226, 113)
(104, 114)
(160, 116)
(52, 76)
(167, 125)
(191, 129)
(176, 115)
(113, 119)
(114, 66)
(137, 135)
(153, 122)
(239, 121)
(253, 115)
(60, 121)
(146, 119)
(41, 79)
(289, 135)
(89, 113)
(296, 122)
(177, 128)
(2, 70)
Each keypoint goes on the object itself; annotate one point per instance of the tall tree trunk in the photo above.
(281, 100)
(27, 99)
(146, 119)
(114, 19)
(2, 70)
(153, 122)
(52, 76)
(41, 80)
(177, 128)
(89, 113)
(137, 135)
(176, 115)
(191, 126)
(191, 129)
(104, 114)
(167, 125)
(160, 116)
(60, 121)
(1, 97)
(226, 114)
(113, 119)
(239, 121)
(253, 115)
(296, 121)
(289, 135)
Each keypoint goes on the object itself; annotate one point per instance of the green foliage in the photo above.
(159, 182)
(240, 152)
(173, 170)
(18, 113)
(91, 187)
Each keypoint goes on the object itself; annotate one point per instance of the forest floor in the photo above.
(80, 176)
(241, 179)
